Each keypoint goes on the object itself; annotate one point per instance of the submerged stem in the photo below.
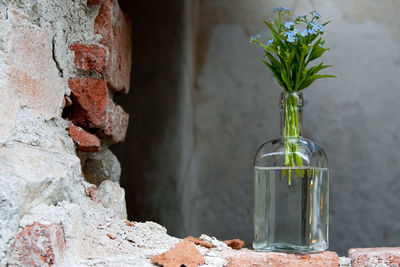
(291, 136)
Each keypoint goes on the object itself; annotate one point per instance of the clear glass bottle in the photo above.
(291, 188)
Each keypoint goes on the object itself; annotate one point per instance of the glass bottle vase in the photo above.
(291, 188)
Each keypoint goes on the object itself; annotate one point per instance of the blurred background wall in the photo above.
(202, 103)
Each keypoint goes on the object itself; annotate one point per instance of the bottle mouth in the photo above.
(287, 98)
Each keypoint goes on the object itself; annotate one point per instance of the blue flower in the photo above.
(316, 14)
(282, 10)
(269, 42)
(312, 31)
(288, 25)
(292, 32)
(254, 39)
(304, 33)
(291, 38)
(317, 27)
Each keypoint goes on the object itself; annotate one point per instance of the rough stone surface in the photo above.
(184, 253)
(38, 245)
(116, 124)
(115, 28)
(89, 101)
(66, 214)
(30, 176)
(89, 57)
(98, 167)
(219, 245)
(344, 262)
(84, 141)
(112, 196)
(247, 258)
(45, 214)
(34, 130)
(369, 257)
(32, 75)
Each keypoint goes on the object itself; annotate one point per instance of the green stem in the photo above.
(291, 136)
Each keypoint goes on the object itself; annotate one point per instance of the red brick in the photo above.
(235, 243)
(94, 2)
(38, 245)
(89, 102)
(383, 256)
(116, 124)
(94, 194)
(89, 57)
(248, 258)
(199, 242)
(84, 141)
(184, 253)
(115, 28)
(129, 223)
(111, 236)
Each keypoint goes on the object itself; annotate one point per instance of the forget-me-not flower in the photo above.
(288, 25)
(291, 38)
(254, 39)
(317, 27)
(304, 33)
(282, 10)
(316, 14)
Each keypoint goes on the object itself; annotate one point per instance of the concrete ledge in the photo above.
(384, 256)
(248, 258)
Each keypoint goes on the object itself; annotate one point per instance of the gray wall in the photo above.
(202, 103)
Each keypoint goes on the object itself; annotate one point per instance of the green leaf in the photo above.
(270, 26)
(279, 41)
(272, 59)
(307, 82)
(303, 54)
(286, 78)
(326, 23)
(276, 73)
(316, 51)
(316, 69)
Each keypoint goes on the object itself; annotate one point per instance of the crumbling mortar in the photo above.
(60, 70)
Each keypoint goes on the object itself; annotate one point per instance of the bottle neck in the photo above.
(291, 115)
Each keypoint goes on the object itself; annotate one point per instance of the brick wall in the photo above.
(106, 70)
(61, 63)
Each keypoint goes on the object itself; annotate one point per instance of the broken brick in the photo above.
(84, 141)
(235, 243)
(184, 253)
(199, 242)
(89, 102)
(94, 194)
(115, 28)
(38, 244)
(89, 57)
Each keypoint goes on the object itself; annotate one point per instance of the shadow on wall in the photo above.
(150, 156)
(187, 159)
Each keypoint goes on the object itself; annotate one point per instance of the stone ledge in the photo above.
(249, 258)
(383, 256)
